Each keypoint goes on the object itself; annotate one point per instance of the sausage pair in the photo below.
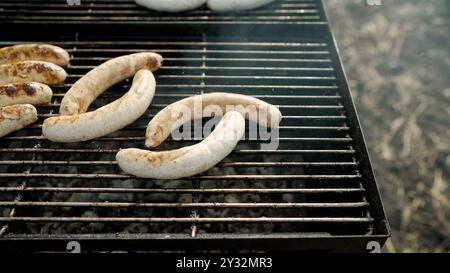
(198, 158)
(75, 124)
(33, 63)
(215, 5)
(24, 72)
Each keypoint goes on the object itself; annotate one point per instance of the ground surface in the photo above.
(397, 61)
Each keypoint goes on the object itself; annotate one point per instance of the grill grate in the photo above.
(290, 11)
(316, 191)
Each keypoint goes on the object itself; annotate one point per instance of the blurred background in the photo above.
(397, 60)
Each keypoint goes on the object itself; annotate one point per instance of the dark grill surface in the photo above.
(316, 191)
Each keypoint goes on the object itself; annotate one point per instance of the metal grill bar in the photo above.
(130, 13)
(221, 165)
(185, 205)
(206, 177)
(241, 86)
(285, 118)
(303, 128)
(76, 44)
(114, 6)
(207, 191)
(190, 220)
(114, 151)
(160, 106)
(230, 51)
(194, 139)
(180, 96)
(143, 11)
(264, 60)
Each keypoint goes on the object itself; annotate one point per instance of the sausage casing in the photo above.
(171, 5)
(32, 71)
(34, 52)
(189, 160)
(252, 108)
(236, 5)
(16, 117)
(107, 119)
(90, 86)
(21, 93)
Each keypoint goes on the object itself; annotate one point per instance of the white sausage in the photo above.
(20, 93)
(107, 119)
(186, 161)
(90, 86)
(32, 71)
(16, 117)
(34, 52)
(171, 5)
(236, 5)
(257, 110)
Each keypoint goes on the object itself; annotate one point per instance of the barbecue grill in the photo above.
(317, 191)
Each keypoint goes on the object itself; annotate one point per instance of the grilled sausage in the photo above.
(32, 71)
(171, 5)
(254, 109)
(236, 5)
(106, 119)
(186, 161)
(20, 93)
(34, 52)
(16, 117)
(87, 88)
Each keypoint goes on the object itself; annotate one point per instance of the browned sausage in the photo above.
(34, 52)
(32, 71)
(19, 93)
(16, 117)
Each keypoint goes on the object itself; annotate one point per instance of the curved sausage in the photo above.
(90, 86)
(252, 108)
(34, 52)
(106, 119)
(16, 117)
(171, 5)
(20, 93)
(186, 161)
(32, 71)
(236, 5)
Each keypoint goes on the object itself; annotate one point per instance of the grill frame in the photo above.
(284, 241)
